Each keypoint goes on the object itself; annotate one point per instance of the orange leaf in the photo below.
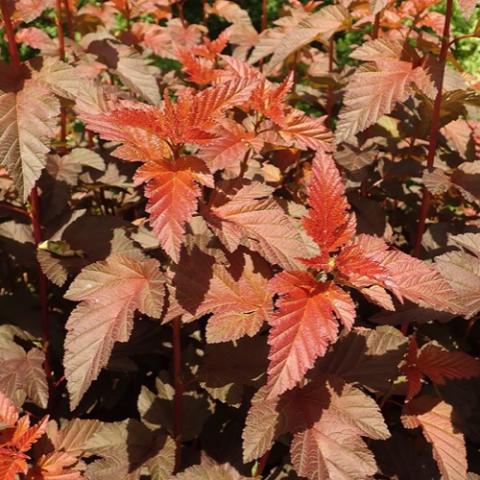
(329, 221)
(172, 191)
(435, 419)
(303, 326)
(110, 292)
(437, 364)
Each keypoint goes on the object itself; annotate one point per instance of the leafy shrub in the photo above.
(239, 246)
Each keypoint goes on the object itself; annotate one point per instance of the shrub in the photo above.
(239, 246)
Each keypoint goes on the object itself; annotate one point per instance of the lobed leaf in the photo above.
(110, 292)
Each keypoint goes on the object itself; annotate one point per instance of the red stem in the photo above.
(376, 25)
(90, 142)
(127, 15)
(181, 13)
(178, 395)
(42, 286)
(435, 127)
(13, 209)
(61, 52)
(60, 32)
(264, 15)
(71, 28)
(331, 48)
(12, 45)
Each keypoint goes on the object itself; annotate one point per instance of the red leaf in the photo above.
(16, 439)
(11, 463)
(333, 448)
(376, 87)
(228, 149)
(199, 70)
(413, 374)
(55, 466)
(359, 266)
(239, 306)
(437, 364)
(269, 100)
(172, 191)
(109, 291)
(260, 426)
(27, 124)
(254, 219)
(435, 419)
(419, 282)
(303, 326)
(301, 131)
(8, 411)
(188, 121)
(329, 221)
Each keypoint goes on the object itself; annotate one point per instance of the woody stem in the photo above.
(434, 129)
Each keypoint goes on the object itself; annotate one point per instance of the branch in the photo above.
(14, 209)
(61, 53)
(71, 27)
(435, 127)
(376, 25)
(331, 53)
(10, 34)
(264, 16)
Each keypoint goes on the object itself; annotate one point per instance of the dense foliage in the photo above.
(239, 240)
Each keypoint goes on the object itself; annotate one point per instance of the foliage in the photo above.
(239, 240)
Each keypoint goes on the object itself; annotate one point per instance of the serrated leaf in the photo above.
(435, 419)
(136, 74)
(367, 357)
(260, 425)
(229, 148)
(172, 190)
(21, 370)
(55, 466)
(239, 306)
(437, 364)
(144, 130)
(332, 448)
(258, 223)
(426, 287)
(463, 273)
(125, 448)
(373, 91)
(210, 470)
(302, 327)
(110, 292)
(59, 77)
(17, 437)
(323, 23)
(8, 411)
(27, 124)
(329, 221)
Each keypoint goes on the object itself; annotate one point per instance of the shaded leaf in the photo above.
(109, 291)
(27, 124)
(435, 419)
